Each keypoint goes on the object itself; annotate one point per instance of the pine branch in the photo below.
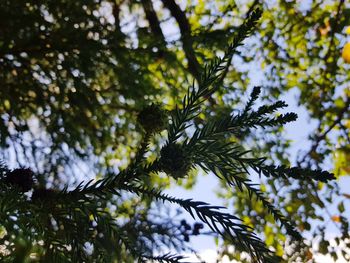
(226, 161)
(211, 73)
(224, 224)
(253, 97)
(167, 258)
(207, 148)
(215, 130)
(278, 216)
(112, 183)
(257, 118)
(293, 172)
(233, 174)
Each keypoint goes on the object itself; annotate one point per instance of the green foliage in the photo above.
(59, 225)
(76, 75)
(65, 81)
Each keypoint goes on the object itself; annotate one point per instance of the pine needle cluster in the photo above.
(56, 225)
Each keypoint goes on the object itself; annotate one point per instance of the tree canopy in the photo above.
(80, 78)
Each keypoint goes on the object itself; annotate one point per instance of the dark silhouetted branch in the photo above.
(187, 42)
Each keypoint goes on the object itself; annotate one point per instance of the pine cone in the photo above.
(153, 119)
(21, 178)
(175, 161)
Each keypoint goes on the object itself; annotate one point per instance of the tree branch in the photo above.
(187, 42)
(321, 136)
(153, 20)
